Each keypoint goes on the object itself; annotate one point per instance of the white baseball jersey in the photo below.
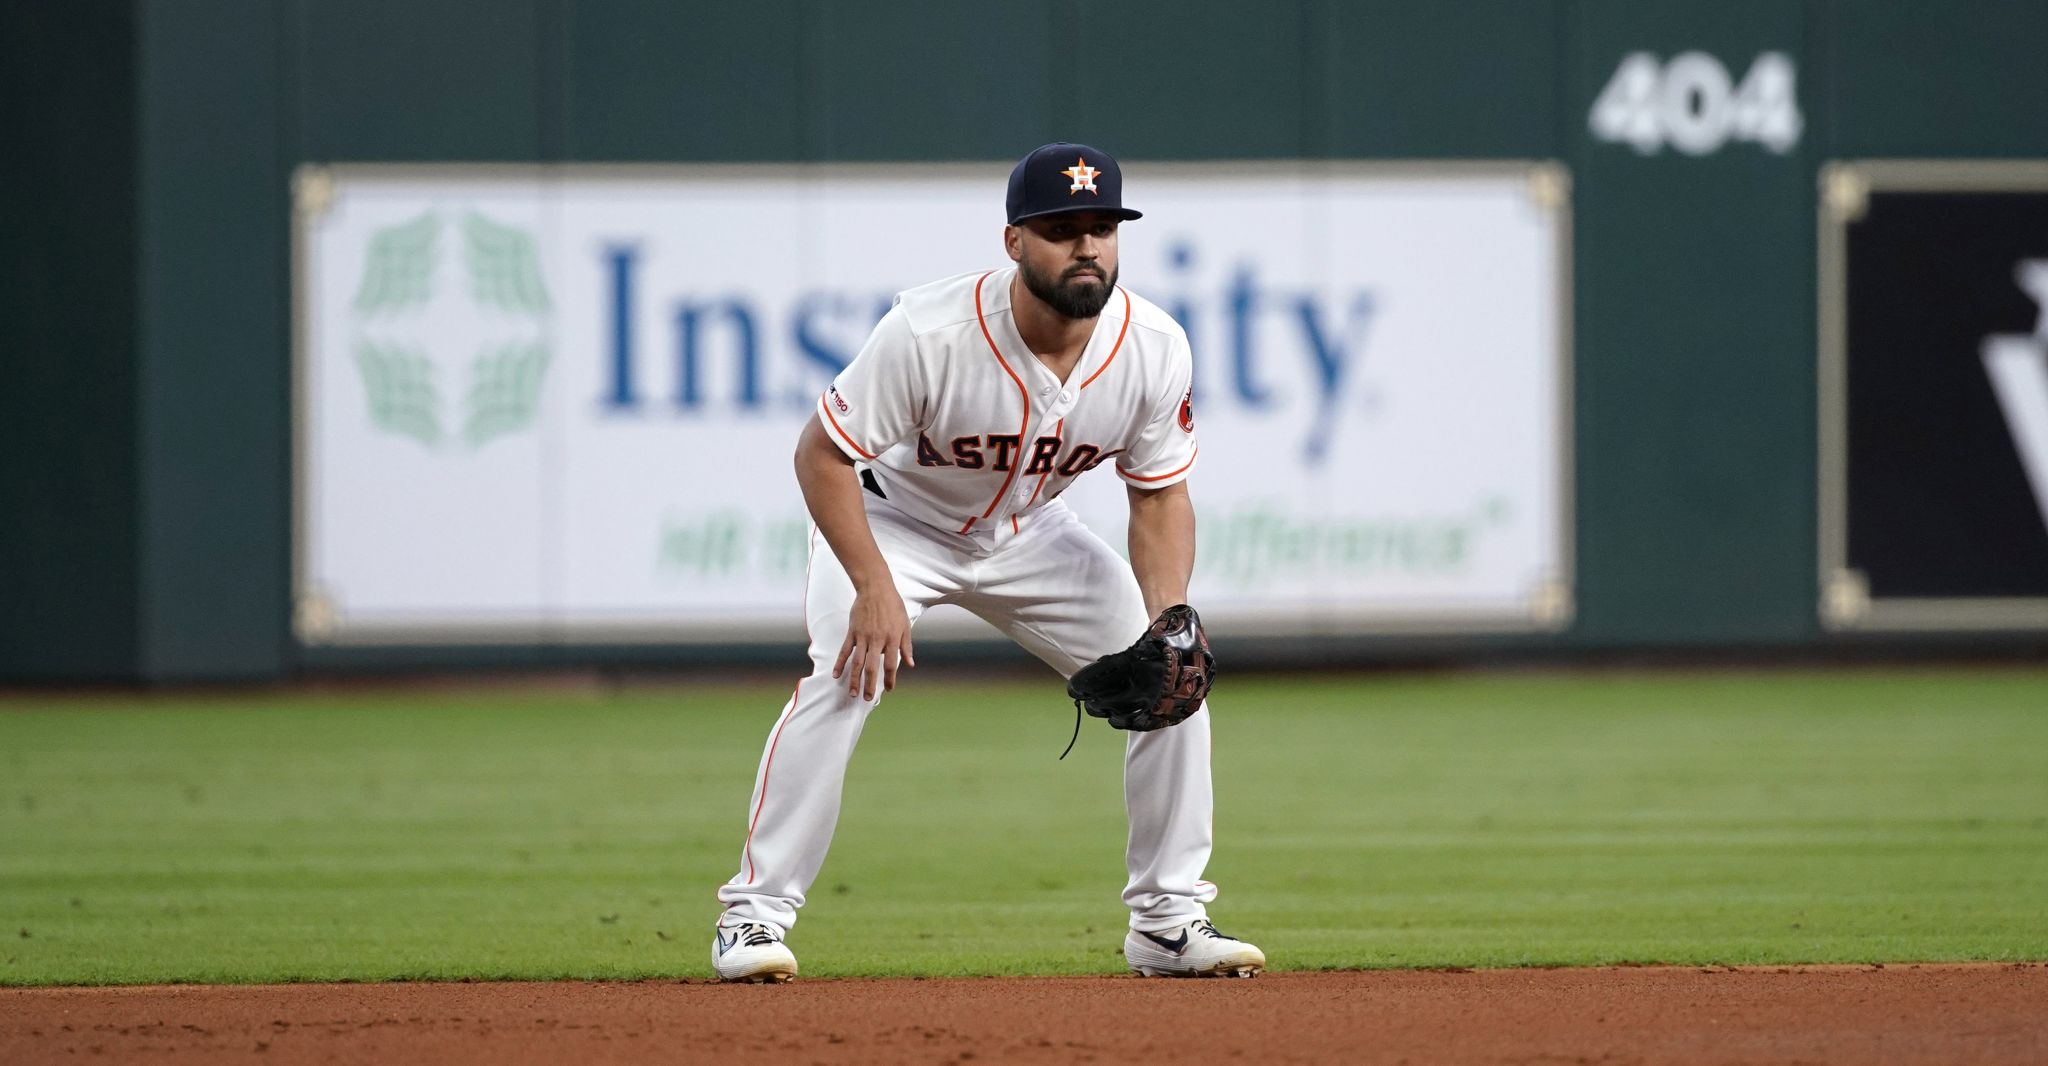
(967, 430)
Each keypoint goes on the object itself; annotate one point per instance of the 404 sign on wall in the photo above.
(1693, 104)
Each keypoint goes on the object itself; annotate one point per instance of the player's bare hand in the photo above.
(877, 641)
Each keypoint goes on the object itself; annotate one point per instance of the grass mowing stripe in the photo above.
(1759, 817)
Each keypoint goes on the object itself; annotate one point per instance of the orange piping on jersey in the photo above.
(1058, 431)
(827, 408)
(969, 525)
(1118, 346)
(1013, 523)
(1023, 428)
(1162, 477)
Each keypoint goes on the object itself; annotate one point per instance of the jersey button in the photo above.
(1066, 397)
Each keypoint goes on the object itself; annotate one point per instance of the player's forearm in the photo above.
(1162, 543)
(832, 494)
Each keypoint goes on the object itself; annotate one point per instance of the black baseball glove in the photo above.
(1157, 682)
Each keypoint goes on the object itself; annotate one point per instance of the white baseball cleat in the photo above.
(751, 954)
(1196, 949)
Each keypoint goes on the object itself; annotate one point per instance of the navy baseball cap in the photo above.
(1061, 177)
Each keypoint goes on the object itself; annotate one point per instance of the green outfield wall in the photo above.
(145, 425)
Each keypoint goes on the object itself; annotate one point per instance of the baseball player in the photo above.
(932, 469)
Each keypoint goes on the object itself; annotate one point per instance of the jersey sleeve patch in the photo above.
(840, 437)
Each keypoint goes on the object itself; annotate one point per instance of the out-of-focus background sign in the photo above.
(541, 404)
(1934, 309)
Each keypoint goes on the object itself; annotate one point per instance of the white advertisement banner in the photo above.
(560, 403)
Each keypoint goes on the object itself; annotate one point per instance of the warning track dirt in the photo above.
(1983, 1013)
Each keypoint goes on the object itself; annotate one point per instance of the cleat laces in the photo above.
(754, 935)
(1204, 927)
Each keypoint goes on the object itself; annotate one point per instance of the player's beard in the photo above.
(1072, 299)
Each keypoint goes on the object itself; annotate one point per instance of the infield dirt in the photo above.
(1986, 1013)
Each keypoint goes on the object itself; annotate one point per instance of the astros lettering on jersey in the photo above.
(966, 430)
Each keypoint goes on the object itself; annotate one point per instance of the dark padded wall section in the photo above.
(1967, 80)
(1694, 354)
(67, 329)
(214, 357)
(418, 80)
(1183, 79)
(1437, 81)
(994, 92)
(654, 81)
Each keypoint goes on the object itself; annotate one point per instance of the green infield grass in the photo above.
(1492, 819)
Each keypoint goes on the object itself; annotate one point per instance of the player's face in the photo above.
(1068, 261)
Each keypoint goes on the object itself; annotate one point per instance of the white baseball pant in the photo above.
(1056, 589)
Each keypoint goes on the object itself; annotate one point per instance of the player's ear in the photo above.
(1013, 242)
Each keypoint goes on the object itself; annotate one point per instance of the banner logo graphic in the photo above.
(416, 390)
(2018, 367)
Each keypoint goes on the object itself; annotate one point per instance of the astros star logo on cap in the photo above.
(1083, 175)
